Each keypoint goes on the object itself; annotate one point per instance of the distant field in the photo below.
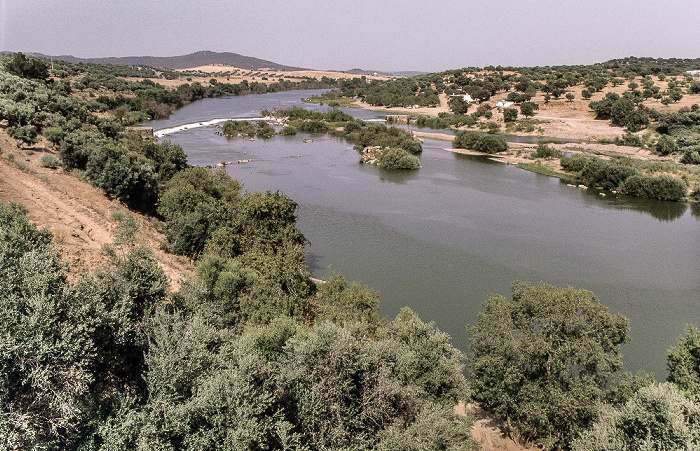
(231, 74)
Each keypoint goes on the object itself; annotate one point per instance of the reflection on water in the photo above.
(658, 209)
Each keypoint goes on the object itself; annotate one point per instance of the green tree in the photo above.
(491, 144)
(694, 87)
(397, 158)
(620, 110)
(683, 363)
(656, 417)
(24, 67)
(666, 145)
(544, 359)
(569, 97)
(458, 105)
(510, 115)
(528, 109)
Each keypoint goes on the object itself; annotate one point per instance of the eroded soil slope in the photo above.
(78, 215)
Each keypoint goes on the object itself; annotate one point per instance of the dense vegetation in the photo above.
(251, 353)
(388, 147)
(626, 175)
(115, 361)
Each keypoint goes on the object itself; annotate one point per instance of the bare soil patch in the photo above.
(78, 214)
(491, 431)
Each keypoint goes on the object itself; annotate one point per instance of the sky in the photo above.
(382, 35)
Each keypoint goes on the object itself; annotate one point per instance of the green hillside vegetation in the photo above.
(250, 352)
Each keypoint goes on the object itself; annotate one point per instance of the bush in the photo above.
(606, 175)
(49, 161)
(124, 175)
(24, 134)
(684, 364)
(657, 417)
(397, 158)
(666, 145)
(492, 144)
(695, 195)
(288, 130)
(238, 128)
(629, 139)
(574, 163)
(663, 187)
(691, 155)
(473, 140)
(510, 114)
(544, 151)
(313, 126)
(466, 139)
(545, 359)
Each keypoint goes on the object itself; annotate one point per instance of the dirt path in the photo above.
(78, 215)
(490, 431)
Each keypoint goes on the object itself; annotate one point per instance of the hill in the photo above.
(196, 59)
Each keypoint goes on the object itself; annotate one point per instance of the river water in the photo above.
(440, 240)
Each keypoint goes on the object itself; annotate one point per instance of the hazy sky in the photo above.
(378, 35)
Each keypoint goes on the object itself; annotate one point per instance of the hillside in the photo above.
(196, 59)
(78, 215)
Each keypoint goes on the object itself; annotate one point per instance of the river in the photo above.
(440, 240)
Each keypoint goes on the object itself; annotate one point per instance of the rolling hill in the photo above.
(196, 59)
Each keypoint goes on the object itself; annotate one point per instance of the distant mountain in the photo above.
(196, 59)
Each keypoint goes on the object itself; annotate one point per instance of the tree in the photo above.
(510, 115)
(619, 111)
(675, 94)
(684, 363)
(666, 145)
(602, 108)
(24, 67)
(543, 360)
(694, 87)
(458, 105)
(528, 108)
(569, 97)
(656, 417)
(490, 143)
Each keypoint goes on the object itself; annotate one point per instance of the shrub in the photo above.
(663, 187)
(510, 114)
(125, 175)
(397, 158)
(666, 145)
(545, 359)
(238, 128)
(544, 151)
(24, 134)
(574, 163)
(606, 175)
(492, 144)
(288, 130)
(313, 126)
(691, 155)
(473, 140)
(264, 130)
(657, 417)
(49, 161)
(684, 363)
(629, 139)
(466, 139)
